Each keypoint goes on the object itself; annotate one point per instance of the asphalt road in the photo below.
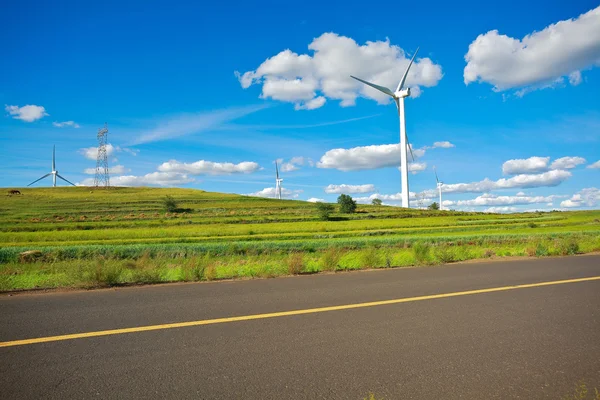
(528, 343)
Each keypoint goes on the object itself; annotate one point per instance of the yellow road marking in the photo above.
(284, 313)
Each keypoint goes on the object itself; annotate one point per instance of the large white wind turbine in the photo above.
(439, 186)
(278, 181)
(398, 97)
(54, 172)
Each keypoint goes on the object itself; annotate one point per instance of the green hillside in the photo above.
(77, 235)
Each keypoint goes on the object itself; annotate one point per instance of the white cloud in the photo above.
(416, 167)
(589, 197)
(567, 162)
(488, 199)
(540, 58)
(91, 153)
(117, 169)
(550, 178)
(294, 163)
(308, 80)
(443, 145)
(343, 188)
(392, 199)
(72, 124)
(28, 113)
(501, 210)
(365, 157)
(595, 165)
(525, 166)
(315, 200)
(203, 167)
(271, 192)
(152, 179)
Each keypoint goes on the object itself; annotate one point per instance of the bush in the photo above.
(443, 254)
(347, 205)
(295, 263)
(370, 258)
(170, 204)
(324, 210)
(331, 259)
(433, 206)
(568, 247)
(421, 252)
(532, 225)
(376, 202)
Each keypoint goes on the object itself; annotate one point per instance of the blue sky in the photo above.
(208, 96)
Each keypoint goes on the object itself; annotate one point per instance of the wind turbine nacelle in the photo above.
(403, 93)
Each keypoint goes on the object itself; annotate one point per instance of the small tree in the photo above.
(434, 206)
(324, 210)
(376, 202)
(347, 205)
(170, 204)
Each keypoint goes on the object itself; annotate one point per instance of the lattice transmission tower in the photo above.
(102, 178)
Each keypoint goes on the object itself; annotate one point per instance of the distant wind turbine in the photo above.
(278, 182)
(439, 186)
(54, 172)
(398, 97)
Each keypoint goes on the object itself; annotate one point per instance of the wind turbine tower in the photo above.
(278, 182)
(399, 95)
(439, 186)
(102, 178)
(54, 172)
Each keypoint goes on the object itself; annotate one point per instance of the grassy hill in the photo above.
(80, 236)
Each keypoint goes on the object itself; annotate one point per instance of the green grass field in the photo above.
(82, 237)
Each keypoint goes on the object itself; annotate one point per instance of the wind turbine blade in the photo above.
(409, 147)
(436, 177)
(382, 89)
(401, 84)
(65, 180)
(276, 170)
(37, 180)
(53, 158)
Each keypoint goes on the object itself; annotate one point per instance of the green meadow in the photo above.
(86, 237)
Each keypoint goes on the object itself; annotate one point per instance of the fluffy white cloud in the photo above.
(589, 197)
(315, 200)
(294, 163)
(91, 153)
(525, 166)
(550, 178)
(539, 59)
(308, 80)
(393, 199)
(501, 210)
(72, 124)
(595, 165)
(28, 113)
(117, 169)
(567, 162)
(271, 192)
(416, 167)
(443, 145)
(343, 188)
(203, 167)
(152, 179)
(495, 200)
(365, 157)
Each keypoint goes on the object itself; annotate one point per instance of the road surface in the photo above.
(425, 333)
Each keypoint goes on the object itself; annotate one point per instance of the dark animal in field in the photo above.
(14, 192)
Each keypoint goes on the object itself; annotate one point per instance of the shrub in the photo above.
(443, 254)
(295, 263)
(370, 258)
(170, 204)
(567, 247)
(541, 250)
(433, 206)
(324, 210)
(532, 225)
(347, 205)
(331, 259)
(421, 252)
(376, 202)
